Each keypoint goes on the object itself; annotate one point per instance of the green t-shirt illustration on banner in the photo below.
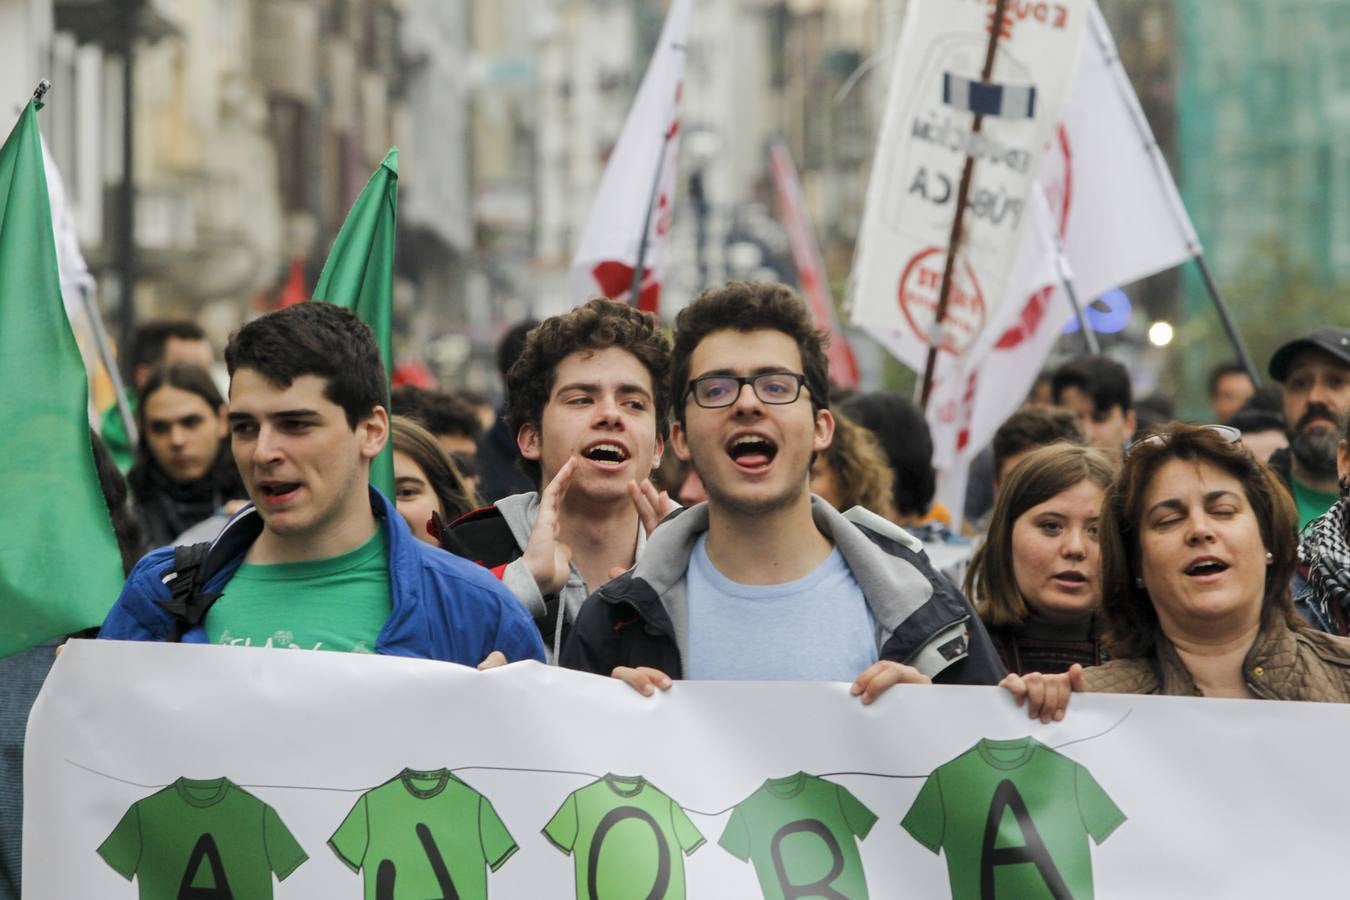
(1014, 818)
(423, 834)
(802, 834)
(627, 837)
(203, 840)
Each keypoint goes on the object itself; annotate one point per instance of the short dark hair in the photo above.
(598, 324)
(1222, 371)
(446, 481)
(1103, 379)
(991, 580)
(750, 306)
(1031, 427)
(315, 339)
(908, 444)
(512, 345)
(437, 412)
(150, 338)
(1131, 620)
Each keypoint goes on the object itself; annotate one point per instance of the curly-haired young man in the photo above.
(764, 581)
(588, 402)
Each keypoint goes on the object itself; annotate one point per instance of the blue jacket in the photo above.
(444, 607)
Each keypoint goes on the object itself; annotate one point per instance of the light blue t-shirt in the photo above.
(817, 628)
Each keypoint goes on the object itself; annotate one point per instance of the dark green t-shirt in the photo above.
(202, 838)
(339, 603)
(625, 835)
(802, 834)
(423, 834)
(1014, 818)
(1310, 503)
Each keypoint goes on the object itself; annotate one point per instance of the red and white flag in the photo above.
(625, 207)
(937, 97)
(811, 265)
(1111, 215)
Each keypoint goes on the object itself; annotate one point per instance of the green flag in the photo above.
(359, 275)
(60, 569)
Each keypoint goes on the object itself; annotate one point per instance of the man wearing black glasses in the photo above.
(763, 581)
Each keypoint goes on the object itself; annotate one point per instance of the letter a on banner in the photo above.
(632, 210)
(941, 112)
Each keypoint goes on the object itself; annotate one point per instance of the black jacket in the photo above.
(638, 619)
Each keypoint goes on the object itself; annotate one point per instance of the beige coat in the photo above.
(1283, 664)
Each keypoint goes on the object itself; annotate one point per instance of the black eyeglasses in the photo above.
(718, 391)
(1229, 434)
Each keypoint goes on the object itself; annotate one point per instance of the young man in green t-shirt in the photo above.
(320, 560)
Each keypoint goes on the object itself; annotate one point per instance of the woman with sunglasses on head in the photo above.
(1322, 579)
(1036, 580)
(1198, 551)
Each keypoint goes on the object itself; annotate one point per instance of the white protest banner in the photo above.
(811, 265)
(625, 208)
(927, 135)
(208, 772)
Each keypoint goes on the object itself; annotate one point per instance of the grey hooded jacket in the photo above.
(923, 620)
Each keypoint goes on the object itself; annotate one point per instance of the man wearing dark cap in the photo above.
(1314, 372)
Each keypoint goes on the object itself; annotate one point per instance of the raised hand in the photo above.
(549, 559)
(651, 506)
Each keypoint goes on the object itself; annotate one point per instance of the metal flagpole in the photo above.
(635, 291)
(105, 353)
(958, 222)
(1226, 318)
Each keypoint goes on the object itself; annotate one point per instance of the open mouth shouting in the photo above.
(752, 453)
(277, 493)
(606, 454)
(1206, 568)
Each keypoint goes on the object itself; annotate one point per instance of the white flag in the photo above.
(624, 208)
(1119, 217)
(969, 402)
(1107, 182)
(937, 94)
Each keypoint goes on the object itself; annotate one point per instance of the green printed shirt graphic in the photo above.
(802, 834)
(625, 835)
(202, 840)
(1014, 818)
(423, 834)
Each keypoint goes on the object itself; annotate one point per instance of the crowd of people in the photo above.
(705, 505)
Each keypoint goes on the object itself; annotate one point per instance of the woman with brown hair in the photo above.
(426, 480)
(1197, 555)
(1036, 580)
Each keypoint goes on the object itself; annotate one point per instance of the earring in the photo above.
(1139, 582)
(1270, 557)
(1345, 485)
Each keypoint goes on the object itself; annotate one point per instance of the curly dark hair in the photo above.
(437, 411)
(598, 324)
(750, 306)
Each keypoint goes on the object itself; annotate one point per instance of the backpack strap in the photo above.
(187, 603)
